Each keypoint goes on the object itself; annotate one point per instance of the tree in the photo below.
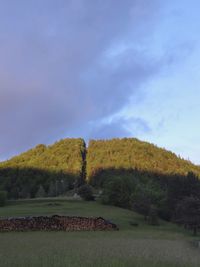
(146, 200)
(85, 192)
(52, 190)
(3, 198)
(188, 213)
(41, 192)
(25, 192)
(129, 154)
(117, 191)
(61, 186)
(141, 204)
(153, 216)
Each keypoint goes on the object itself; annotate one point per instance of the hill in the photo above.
(48, 168)
(133, 154)
(55, 169)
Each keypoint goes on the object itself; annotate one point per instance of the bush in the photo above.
(3, 198)
(85, 192)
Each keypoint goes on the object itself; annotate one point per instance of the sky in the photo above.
(100, 69)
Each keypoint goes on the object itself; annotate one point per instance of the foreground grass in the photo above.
(163, 246)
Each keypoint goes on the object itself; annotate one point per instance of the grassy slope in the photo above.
(163, 246)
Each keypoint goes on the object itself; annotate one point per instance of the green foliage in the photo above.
(58, 188)
(25, 191)
(52, 190)
(132, 154)
(141, 203)
(188, 213)
(153, 216)
(41, 192)
(85, 192)
(161, 178)
(146, 200)
(117, 191)
(178, 187)
(61, 163)
(3, 198)
(130, 173)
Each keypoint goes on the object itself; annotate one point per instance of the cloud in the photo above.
(118, 127)
(67, 63)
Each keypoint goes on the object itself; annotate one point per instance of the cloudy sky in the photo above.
(100, 69)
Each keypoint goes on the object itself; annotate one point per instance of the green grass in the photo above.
(144, 246)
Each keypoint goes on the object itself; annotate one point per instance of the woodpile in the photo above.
(55, 223)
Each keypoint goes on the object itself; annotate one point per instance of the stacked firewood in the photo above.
(55, 223)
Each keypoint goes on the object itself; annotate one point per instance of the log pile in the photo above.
(55, 223)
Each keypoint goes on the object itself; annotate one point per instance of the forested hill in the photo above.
(130, 153)
(41, 166)
(65, 155)
(52, 170)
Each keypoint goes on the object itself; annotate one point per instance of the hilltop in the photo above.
(133, 154)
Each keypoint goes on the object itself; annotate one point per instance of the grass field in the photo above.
(144, 246)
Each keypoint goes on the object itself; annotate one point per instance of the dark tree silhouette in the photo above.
(188, 213)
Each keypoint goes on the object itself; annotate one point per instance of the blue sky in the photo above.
(100, 69)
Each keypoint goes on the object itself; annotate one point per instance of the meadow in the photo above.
(166, 245)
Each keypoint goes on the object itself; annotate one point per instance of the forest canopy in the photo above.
(44, 167)
(133, 154)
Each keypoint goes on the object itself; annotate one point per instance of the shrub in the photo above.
(85, 192)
